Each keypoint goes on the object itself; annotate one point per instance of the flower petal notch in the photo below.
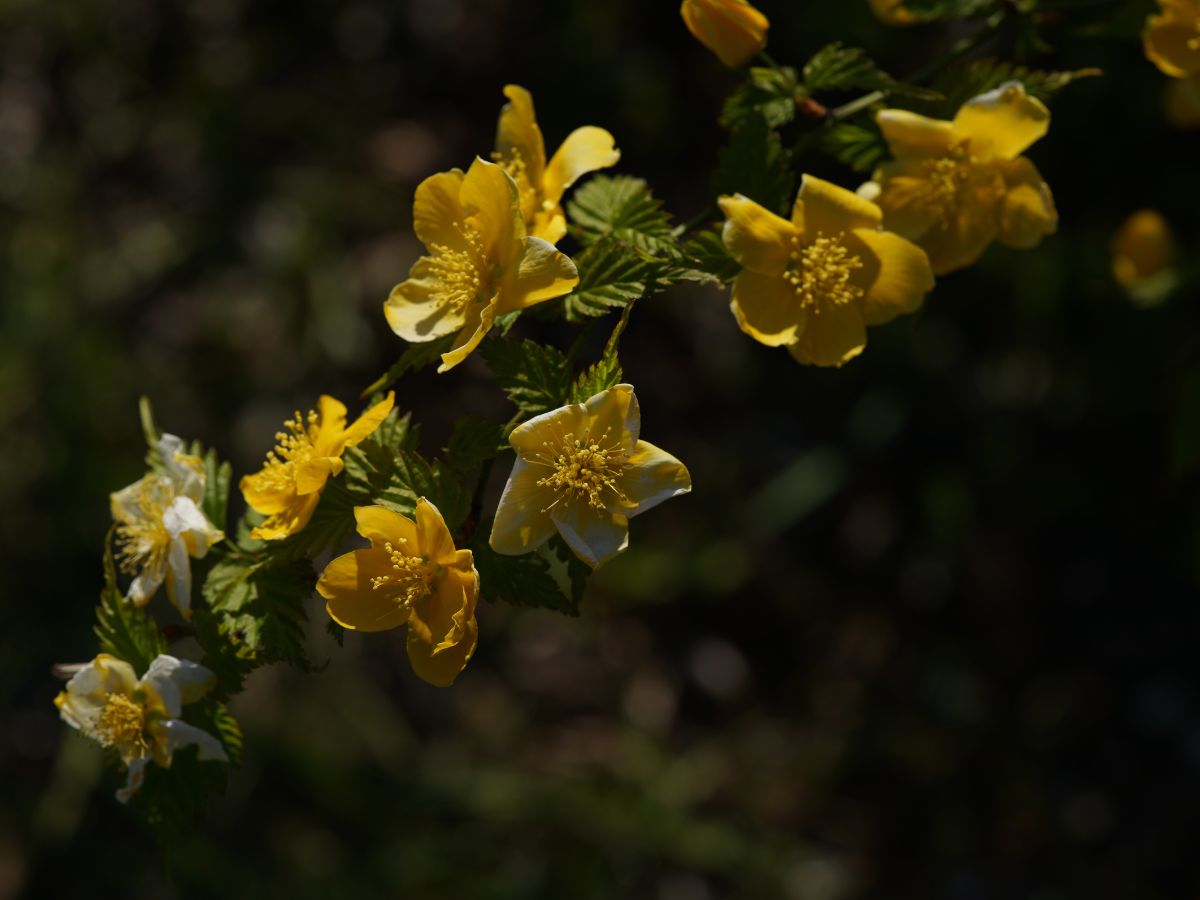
(412, 575)
(582, 472)
(480, 262)
(521, 151)
(732, 29)
(308, 451)
(160, 527)
(1171, 38)
(139, 718)
(813, 284)
(955, 186)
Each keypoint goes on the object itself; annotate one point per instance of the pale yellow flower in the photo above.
(955, 186)
(160, 528)
(893, 12)
(1172, 38)
(732, 29)
(412, 575)
(521, 150)
(138, 717)
(288, 486)
(582, 471)
(480, 262)
(813, 284)
(1143, 248)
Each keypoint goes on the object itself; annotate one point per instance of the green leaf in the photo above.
(838, 68)
(124, 630)
(215, 718)
(611, 273)
(948, 10)
(225, 654)
(766, 92)
(331, 521)
(472, 443)
(524, 580)
(336, 631)
(596, 378)
(861, 149)
(398, 478)
(961, 83)
(260, 607)
(705, 251)
(173, 799)
(754, 163)
(414, 358)
(534, 376)
(577, 572)
(623, 207)
(217, 478)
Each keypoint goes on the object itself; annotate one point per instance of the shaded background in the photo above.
(924, 629)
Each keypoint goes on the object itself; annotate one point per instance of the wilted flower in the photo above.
(582, 471)
(412, 575)
(814, 283)
(1172, 38)
(160, 528)
(288, 486)
(956, 186)
(522, 152)
(139, 718)
(732, 29)
(480, 262)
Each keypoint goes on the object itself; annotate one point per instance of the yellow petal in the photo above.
(893, 12)
(312, 474)
(615, 413)
(493, 205)
(548, 224)
(350, 599)
(479, 322)
(440, 618)
(416, 309)
(903, 196)
(521, 524)
(1027, 213)
(652, 476)
(528, 437)
(825, 209)
(364, 426)
(442, 668)
(961, 241)
(832, 337)
(766, 308)
(288, 521)
(757, 238)
(264, 494)
(437, 211)
(1170, 39)
(909, 134)
(433, 537)
(732, 29)
(595, 536)
(901, 280)
(586, 149)
(1003, 122)
(1143, 247)
(381, 525)
(544, 274)
(518, 135)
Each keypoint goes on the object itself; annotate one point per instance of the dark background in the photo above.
(924, 629)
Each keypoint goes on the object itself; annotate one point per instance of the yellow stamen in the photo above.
(122, 724)
(292, 447)
(142, 540)
(413, 578)
(820, 271)
(460, 274)
(583, 468)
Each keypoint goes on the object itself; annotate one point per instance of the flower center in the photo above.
(122, 724)
(958, 182)
(292, 447)
(583, 469)
(411, 577)
(141, 537)
(518, 170)
(820, 272)
(460, 274)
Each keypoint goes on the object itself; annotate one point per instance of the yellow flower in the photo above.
(1182, 102)
(288, 486)
(522, 152)
(893, 12)
(410, 575)
(814, 283)
(480, 262)
(1142, 249)
(138, 718)
(160, 528)
(581, 471)
(956, 186)
(732, 29)
(1172, 38)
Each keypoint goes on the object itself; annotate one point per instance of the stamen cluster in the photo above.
(459, 274)
(819, 273)
(122, 724)
(413, 579)
(583, 469)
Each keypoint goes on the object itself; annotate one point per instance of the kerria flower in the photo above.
(522, 152)
(893, 12)
(1143, 249)
(814, 283)
(412, 575)
(288, 486)
(582, 471)
(138, 717)
(160, 528)
(1172, 38)
(956, 186)
(732, 29)
(480, 262)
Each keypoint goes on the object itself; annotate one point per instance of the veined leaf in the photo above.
(838, 68)
(534, 376)
(260, 607)
(860, 148)
(620, 206)
(755, 163)
(124, 630)
(705, 251)
(524, 580)
(414, 358)
(596, 378)
(766, 92)
(959, 84)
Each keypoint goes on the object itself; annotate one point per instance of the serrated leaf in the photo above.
(414, 358)
(173, 799)
(336, 631)
(397, 479)
(861, 149)
(962, 83)
(577, 572)
(611, 273)
(534, 376)
(524, 580)
(472, 443)
(767, 92)
(705, 251)
(838, 68)
(331, 521)
(596, 378)
(215, 718)
(755, 163)
(231, 660)
(623, 207)
(260, 607)
(123, 629)
(217, 478)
